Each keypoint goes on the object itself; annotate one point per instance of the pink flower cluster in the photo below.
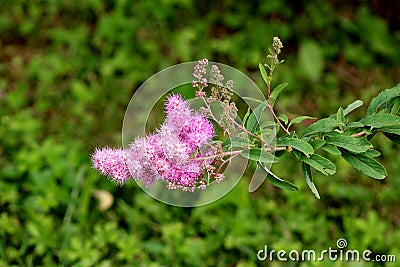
(169, 154)
(111, 162)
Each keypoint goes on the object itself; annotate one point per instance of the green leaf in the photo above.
(392, 130)
(331, 149)
(382, 98)
(372, 153)
(395, 106)
(317, 143)
(258, 154)
(296, 143)
(393, 133)
(300, 119)
(320, 163)
(353, 144)
(252, 99)
(246, 116)
(253, 120)
(356, 104)
(283, 118)
(275, 180)
(321, 126)
(355, 124)
(365, 164)
(264, 74)
(381, 120)
(305, 168)
(340, 115)
(276, 91)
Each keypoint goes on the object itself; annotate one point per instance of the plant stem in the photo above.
(224, 162)
(276, 118)
(358, 134)
(271, 108)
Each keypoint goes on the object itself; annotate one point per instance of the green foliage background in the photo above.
(67, 72)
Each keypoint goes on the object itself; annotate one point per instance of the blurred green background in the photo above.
(67, 71)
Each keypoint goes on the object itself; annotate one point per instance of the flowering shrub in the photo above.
(184, 154)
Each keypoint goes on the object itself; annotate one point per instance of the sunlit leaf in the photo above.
(356, 104)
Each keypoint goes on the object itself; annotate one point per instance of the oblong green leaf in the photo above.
(331, 149)
(317, 143)
(356, 104)
(246, 116)
(365, 164)
(391, 130)
(305, 168)
(252, 99)
(324, 165)
(296, 143)
(382, 98)
(372, 153)
(395, 103)
(340, 115)
(300, 119)
(264, 74)
(381, 120)
(355, 124)
(258, 154)
(283, 118)
(353, 144)
(392, 133)
(254, 118)
(322, 126)
(276, 91)
(275, 180)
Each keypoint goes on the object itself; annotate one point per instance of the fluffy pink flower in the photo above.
(165, 155)
(197, 131)
(178, 112)
(111, 162)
